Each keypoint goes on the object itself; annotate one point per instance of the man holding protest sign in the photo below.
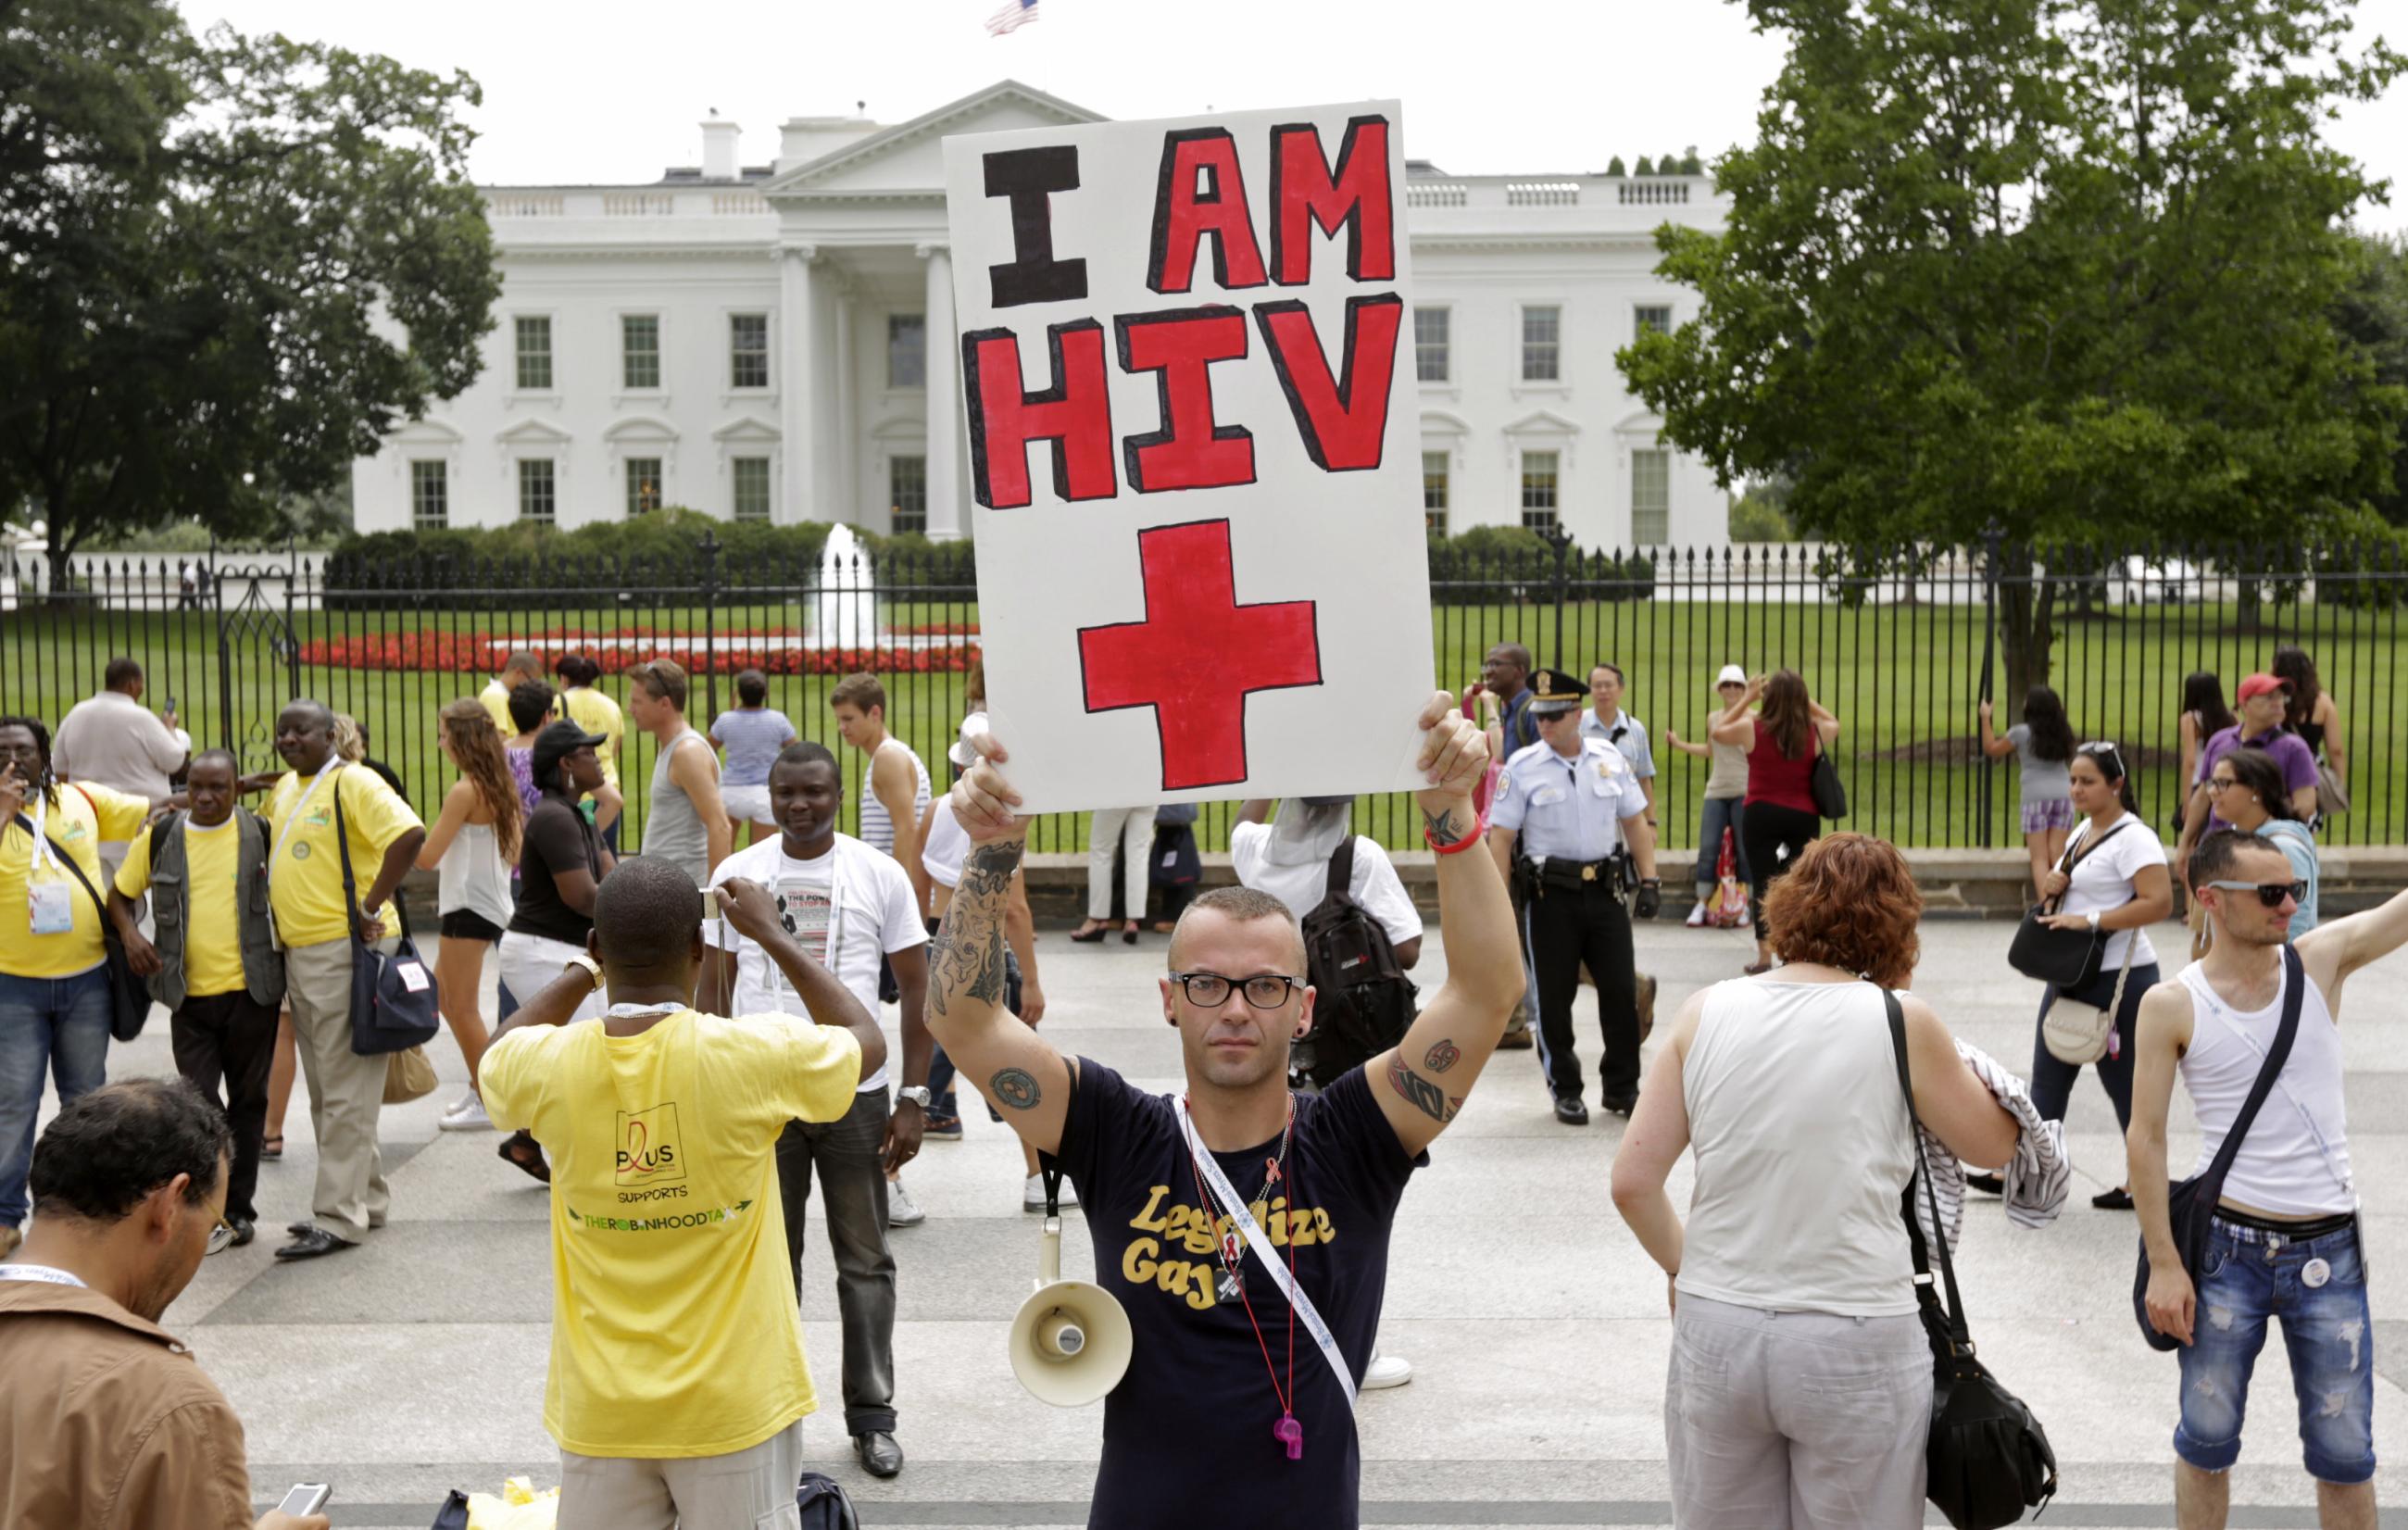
(1220, 1417)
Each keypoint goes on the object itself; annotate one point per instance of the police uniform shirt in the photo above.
(1567, 808)
(1632, 741)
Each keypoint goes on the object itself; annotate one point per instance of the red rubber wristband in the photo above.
(1479, 833)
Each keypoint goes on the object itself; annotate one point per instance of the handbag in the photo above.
(2190, 1204)
(2068, 958)
(2331, 796)
(1987, 1459)
(1823, 784)
(392, 997)
(407, 1076)
(129, 996)
(1730, 908)
(2077, 1033)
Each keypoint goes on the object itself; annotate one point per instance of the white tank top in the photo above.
(948, 845)
(2295, 1161)
(471, 876)
(1803, 1150)
(876, 824)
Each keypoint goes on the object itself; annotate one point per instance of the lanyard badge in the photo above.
(49, 904)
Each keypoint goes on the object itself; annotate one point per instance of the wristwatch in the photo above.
(917, 1094)
(586, 964)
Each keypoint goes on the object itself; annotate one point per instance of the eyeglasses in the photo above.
(2270, 894)
(2221, 783)
(1210, 989)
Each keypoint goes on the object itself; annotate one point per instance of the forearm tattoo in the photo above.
(1443, 828)
(1014, 1088)
(1442, 1056)
(966, 959)
(1421, 1094)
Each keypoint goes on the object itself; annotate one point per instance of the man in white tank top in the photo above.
(2286, 1240)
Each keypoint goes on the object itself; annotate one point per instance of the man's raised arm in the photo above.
(1421, 1085)
(1020, 1075)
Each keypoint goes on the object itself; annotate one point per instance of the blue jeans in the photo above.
(1721, 813)
(54, 1025)
(2249, 1277)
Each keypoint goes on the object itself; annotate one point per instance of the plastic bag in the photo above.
(519, 1507)
(1729, 910)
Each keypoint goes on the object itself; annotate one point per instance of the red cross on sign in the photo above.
(1197, 654)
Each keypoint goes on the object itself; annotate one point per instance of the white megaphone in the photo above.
(1070, 1340)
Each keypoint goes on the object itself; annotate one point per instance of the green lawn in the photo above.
(1903, 679)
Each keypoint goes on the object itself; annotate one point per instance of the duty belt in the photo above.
(1571, 876)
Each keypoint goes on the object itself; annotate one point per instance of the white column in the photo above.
(844, 449)
(945, 518)
(798, 451)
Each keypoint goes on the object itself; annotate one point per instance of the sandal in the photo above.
(530, 1161)
(272, 1147)
(1128, 937)
(1090, 935)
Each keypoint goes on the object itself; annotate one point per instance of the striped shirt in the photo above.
(877, 823)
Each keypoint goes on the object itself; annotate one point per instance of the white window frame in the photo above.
(659, 384)
(1445, 461)
(1521, 470)
(1446, 371)
(519, 490)
(894, 508)
(628, 484)
(551, 387)
(1637, 453)
(1524, 382)
(768, 462)
(769, 351)
(1639, 311)
(442, 521)
(886, 356)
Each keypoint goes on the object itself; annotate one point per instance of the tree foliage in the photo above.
(228, 265)
(2373, 314)
(2065, 268)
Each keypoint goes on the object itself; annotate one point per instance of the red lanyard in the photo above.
(1287, 1431)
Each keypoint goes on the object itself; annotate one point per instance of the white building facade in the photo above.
(763, 343)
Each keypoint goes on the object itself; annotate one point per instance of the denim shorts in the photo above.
(2249, 1277)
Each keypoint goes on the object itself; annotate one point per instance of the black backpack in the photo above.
(823, 1505)
(1363, 1002)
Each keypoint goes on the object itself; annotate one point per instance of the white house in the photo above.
(753, 341)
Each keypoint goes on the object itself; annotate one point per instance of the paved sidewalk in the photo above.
(1535, 1325)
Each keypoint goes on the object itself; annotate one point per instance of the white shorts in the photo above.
(530, 962)
(746, 804)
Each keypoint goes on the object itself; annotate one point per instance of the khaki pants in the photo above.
(734, 1492)
(346, 1091)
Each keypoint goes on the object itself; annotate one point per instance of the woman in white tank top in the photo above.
(1801, 1383)
(471, 848)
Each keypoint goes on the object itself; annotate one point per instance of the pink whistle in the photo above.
(1290, 1434)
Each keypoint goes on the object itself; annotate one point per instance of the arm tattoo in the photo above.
(1442, 828)
(1421, 1094)
(1442, 1057)
(1014, 1088)
(968, 956)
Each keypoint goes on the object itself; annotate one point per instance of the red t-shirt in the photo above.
(1773, 777)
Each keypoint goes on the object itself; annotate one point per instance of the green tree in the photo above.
(1644, 168)
(1613, 166)
(2373, 314)
(228, 265)
(2062, 267)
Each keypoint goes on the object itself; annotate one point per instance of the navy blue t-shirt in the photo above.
(1187, 1433)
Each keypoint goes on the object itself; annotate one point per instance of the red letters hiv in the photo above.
(1335, 380)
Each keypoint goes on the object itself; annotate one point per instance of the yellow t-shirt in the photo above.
(212, 925)
(83, 815)
(673, 1324)
(595, 712)
(305, 865)
(496, 697)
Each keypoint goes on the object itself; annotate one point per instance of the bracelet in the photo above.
(1478, 835)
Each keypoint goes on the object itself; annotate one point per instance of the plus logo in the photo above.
(1198, 654)
(649, 1152)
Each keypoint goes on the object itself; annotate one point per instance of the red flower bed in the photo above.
(475, 653)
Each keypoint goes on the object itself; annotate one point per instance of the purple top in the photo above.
(522, 764)
(2288, 750)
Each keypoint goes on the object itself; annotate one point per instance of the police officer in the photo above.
(1570, 825)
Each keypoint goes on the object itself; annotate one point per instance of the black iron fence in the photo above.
(1902, 644)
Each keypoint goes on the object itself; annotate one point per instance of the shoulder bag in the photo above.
(2076, 1033)
(392, 997)
(1822, 783)
(129, 996)
(2190, 1203)
(2068, 958)
(1988, 1460)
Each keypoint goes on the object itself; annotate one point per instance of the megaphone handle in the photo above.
(1052, 1173)
(1049, 1253)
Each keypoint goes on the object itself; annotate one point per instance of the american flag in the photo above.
(1017, 14)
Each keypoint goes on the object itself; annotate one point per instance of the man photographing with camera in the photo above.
(1210, 1207)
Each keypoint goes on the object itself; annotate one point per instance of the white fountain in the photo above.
(845, 613)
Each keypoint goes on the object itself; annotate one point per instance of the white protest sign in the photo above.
(1188, 369)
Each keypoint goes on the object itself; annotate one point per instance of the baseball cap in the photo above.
(2258, 685)
(1731, 675)
(963, 753)
(557, 743)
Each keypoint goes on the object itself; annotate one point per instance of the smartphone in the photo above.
(306, 1499)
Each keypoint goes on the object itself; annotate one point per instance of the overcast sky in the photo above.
(612, 91)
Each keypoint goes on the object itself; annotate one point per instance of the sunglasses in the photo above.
(2270, 894)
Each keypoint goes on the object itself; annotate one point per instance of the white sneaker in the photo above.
(901, 1209)
(1387, 1370)
(1696, 920)
(466, 1116)
(1032, 1194)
